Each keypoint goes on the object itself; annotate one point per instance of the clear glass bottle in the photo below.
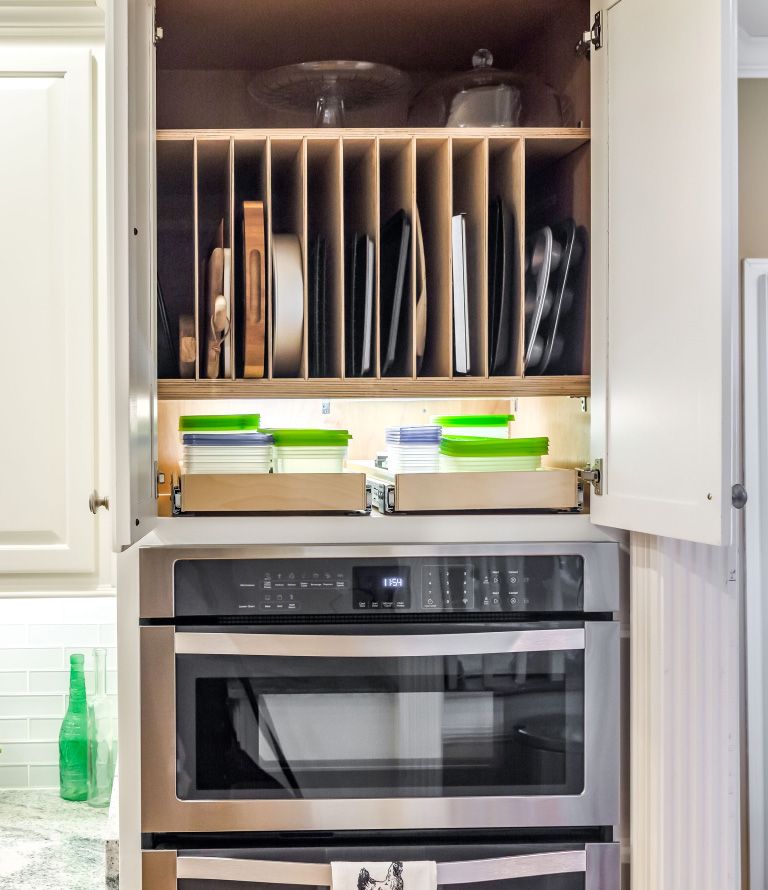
(102, 736)
(73, 736)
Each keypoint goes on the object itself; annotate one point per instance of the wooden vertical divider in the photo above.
(518, 196)
(397, 191)
(304, 238)
(506, 179)
(196, 230)
(325, 217)
(268, 249)
(414, 248)
(375, 219)
(470, 197)
(361, 216)
(433, 197)
(233, 259)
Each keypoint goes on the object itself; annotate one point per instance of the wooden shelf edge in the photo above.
(435, 388)
(582, 133)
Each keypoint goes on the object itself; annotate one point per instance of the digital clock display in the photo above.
(381, 587)
(394, 581)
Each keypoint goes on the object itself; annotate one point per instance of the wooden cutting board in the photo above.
(254, 265)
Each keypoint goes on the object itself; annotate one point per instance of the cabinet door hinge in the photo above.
(593, 475)
(157, 31)
(159, 480)
(593, 37)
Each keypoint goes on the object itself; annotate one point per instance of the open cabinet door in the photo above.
(665, 272)
(131, 173)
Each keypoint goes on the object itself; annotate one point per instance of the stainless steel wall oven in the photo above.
(381, 689)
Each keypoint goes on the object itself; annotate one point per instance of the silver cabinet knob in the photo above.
(94, 502)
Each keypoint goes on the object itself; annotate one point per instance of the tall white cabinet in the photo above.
(56, 416)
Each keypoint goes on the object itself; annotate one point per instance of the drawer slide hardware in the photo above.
(593, 475)
(591, 38)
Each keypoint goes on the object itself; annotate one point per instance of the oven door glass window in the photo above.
(475, 725)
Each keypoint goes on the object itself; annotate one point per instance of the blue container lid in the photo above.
(227, 439)
(413, 435)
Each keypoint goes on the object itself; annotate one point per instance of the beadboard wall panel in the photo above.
(685, 716)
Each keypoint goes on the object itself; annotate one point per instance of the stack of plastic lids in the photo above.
(413, 449)
(489, 426)
(472, 454)
(224, 443)
(309, 450)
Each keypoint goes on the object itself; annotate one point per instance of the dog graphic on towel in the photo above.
(393, 880)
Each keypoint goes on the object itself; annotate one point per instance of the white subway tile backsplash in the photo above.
(31, 705)
(14, 776)
(13, 634)
(19, 753)
(37, 636)
(44, 729)
(31, 659)
(108, 635)
(43, 776)
(49, 681)
(78, 635)
(13, 730)
(13, 681)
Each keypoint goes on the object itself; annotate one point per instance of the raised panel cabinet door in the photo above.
(47, 284)
(664, 266)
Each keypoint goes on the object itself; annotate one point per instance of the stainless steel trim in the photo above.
(603, 867)
(365, 646)
(601, 564)
(474, 871)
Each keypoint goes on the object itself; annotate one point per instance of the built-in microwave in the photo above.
(379, 688)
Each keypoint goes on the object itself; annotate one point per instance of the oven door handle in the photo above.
(473, 871)
(365, 646)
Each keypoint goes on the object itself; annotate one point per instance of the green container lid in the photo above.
(288, 438)
(218, 423)
(479, 446)
(459, 420)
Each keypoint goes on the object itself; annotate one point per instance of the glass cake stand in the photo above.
(331, 88)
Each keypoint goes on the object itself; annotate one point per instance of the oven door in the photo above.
(518, 867)
(448, 726)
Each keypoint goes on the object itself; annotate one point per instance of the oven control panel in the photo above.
(354, 586)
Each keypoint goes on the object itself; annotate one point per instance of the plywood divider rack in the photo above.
(333, 182)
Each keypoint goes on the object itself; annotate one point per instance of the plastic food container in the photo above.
(489, 426)
(468, 454)
(249, 452)
(413, 449)
(309, 450)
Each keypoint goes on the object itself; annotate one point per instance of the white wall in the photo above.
(37, 636)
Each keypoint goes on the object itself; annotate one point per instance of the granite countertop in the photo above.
(49, 842)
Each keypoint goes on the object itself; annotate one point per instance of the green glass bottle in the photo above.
(102, 736)
(73, 736)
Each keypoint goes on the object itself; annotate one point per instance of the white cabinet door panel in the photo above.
(665, 274)
(47, 275)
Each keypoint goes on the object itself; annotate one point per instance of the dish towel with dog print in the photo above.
(383, 875)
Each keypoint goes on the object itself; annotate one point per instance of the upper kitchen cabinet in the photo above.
(54, 448)
(409, 231)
